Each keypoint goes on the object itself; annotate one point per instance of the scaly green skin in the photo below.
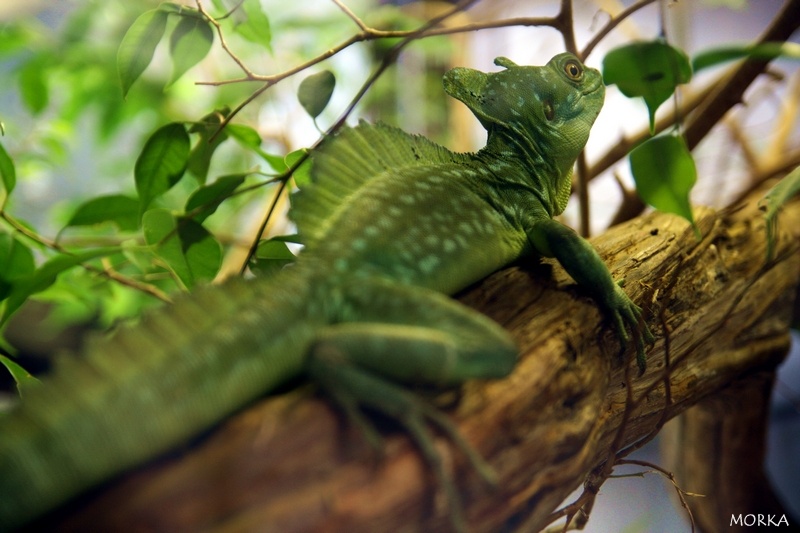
(392, 223)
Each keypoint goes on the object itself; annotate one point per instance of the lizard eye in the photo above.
(573, 69)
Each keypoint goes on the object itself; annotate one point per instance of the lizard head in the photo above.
(546, 111)
(560, 99)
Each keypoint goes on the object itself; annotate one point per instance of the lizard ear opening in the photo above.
(547, 107)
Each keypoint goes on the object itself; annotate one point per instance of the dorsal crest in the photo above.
(343, 163)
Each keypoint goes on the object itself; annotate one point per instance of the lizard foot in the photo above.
(627, 314)
(354, 388)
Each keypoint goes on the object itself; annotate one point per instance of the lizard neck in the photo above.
(519, 158)
(528, 152)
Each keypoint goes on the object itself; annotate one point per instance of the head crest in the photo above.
(504, 62)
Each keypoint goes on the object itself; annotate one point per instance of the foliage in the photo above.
(7, 171)
(665, 174)
(663, 167)
(650, 69)
(315, 92)
(151, 234)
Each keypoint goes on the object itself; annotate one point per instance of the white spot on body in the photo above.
(428, 263)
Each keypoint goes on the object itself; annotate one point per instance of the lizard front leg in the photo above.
(550, 238)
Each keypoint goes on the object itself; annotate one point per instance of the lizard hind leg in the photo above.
(389, 335)
(353, 387)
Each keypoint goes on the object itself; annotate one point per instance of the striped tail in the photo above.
(145, 389)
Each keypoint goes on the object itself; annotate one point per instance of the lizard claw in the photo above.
(627, 314)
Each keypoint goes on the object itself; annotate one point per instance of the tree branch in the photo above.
(731, 92)
(289, 462)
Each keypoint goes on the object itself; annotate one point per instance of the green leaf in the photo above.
(293, 238)
(301, 174)
(651, 69)
(189, 43)
(186, 247)
(33, 84)
(46, 275)
(210, 138)
(761, 51)
(271, 255)
(22, 377)
(7, 171)
(665, 173)
(16, 37)
(16, 262)
(250, 139)
(172, 8)
(138, 46)
(253, 24)
(162, 162)
(208, 198)
(315, 92)
(117, 208)
(246, 135)
(772, 202)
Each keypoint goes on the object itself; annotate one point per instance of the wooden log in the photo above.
(289, 463)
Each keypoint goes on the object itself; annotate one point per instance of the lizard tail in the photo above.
(144, 389)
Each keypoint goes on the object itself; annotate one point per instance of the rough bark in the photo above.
(289, 463)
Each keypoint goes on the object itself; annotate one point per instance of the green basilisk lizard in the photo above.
(392, 223)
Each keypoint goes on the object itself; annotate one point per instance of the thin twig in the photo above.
(371, 34)
(613, 23)
(565, 25)
(222, 41)
(671, 477)
(347, 11)
(111, 275)
(109, 272)
(263, 226)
